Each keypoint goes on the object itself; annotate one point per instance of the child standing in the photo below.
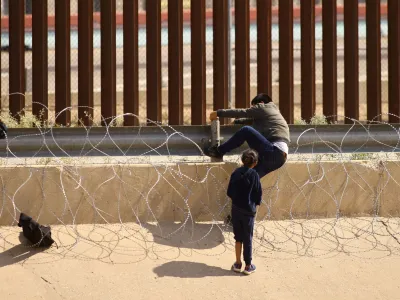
(245, 191)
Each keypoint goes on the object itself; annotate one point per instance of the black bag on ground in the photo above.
(38, 235)
(3, 130)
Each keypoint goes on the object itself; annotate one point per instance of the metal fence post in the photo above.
(215, 133)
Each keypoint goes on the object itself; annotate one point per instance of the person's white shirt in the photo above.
(282, 146)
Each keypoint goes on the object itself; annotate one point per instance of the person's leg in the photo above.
(248, 239)
(248, 134)
(238, 250)
(269, 162)
(260, 167)
(238, 236)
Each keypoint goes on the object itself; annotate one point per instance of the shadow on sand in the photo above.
(184, 269)
(18, 253)
(200, 236)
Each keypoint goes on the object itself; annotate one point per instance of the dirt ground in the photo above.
(314, 259)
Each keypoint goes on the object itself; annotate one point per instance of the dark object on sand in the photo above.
(3, 130)
(38, 235)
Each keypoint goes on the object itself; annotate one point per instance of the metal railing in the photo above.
(188, 140)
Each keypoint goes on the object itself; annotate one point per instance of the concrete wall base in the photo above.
(58, 194)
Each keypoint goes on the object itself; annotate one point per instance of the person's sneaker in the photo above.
(249, 269)
(237, 267)
(213, 152)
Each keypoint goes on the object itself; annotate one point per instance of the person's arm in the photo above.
(229, 191)
(257, 190)
(253, 112)
(246, 121)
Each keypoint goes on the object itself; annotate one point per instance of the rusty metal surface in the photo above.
(220, 82)
(63, 61)
(153, 52)
(394, 59)
(329, 50)
(85, 60)
(175, 62)
(16, 57)
(307, 59)
(264, 46)
(198, 61)
(286, 88)
(221, 63)
(39, 59)
(108, 61)
(242, 53)
(374, 98)
(131, 62)
(351, 67)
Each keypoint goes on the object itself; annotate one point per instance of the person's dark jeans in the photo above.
(243, 226)
(270, 157)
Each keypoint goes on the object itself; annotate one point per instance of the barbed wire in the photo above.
(123, 209)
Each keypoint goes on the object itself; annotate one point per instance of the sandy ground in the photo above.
(315, 259)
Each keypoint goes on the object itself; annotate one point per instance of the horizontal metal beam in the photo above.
(183, 140)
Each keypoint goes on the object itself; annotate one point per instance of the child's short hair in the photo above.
(265, 98)
(249, 157)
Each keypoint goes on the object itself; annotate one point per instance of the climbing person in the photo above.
(268, 134)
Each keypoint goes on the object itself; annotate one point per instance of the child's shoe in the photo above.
(237, 267)
(249, 269)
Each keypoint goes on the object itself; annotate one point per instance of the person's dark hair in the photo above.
(261, 98)
(249, 157)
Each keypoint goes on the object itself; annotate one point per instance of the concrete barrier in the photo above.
(61, 194)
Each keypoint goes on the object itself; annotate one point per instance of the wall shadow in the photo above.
(200, 236)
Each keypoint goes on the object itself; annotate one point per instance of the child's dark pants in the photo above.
(243, 226)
